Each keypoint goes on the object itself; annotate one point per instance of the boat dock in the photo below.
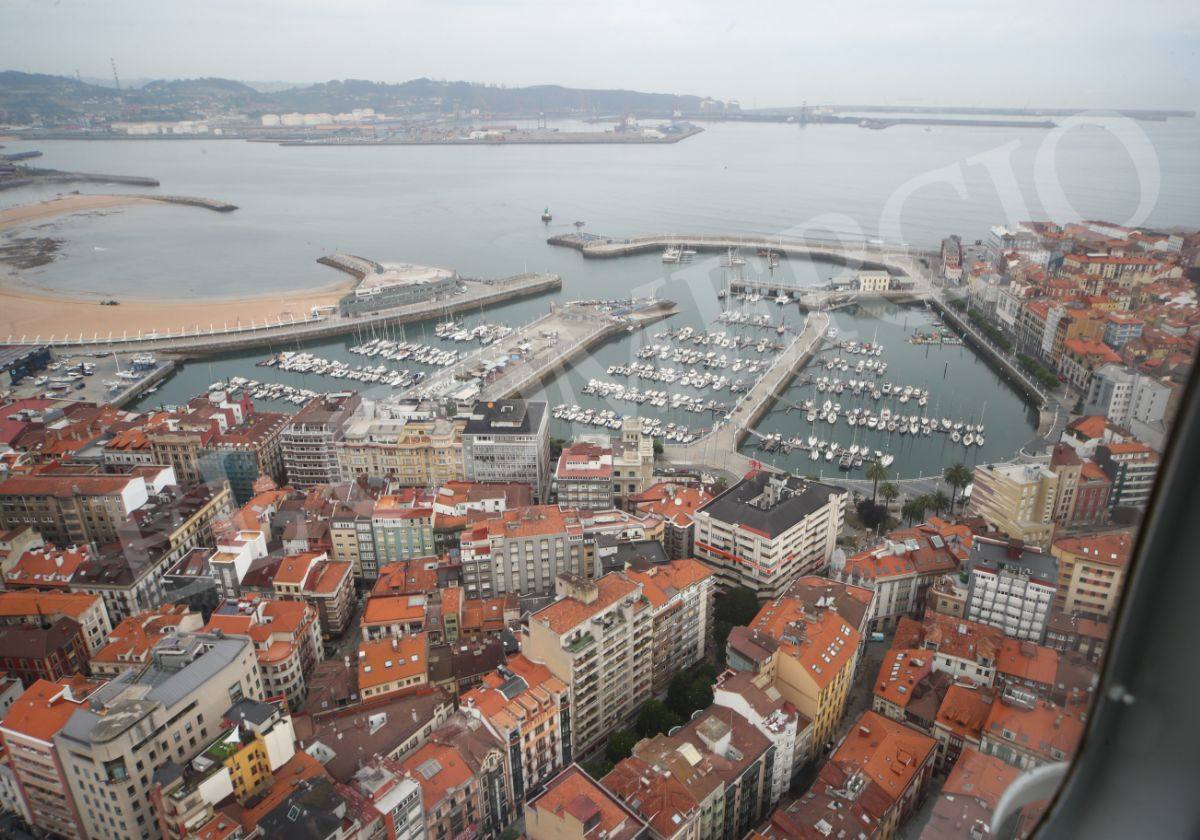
(719, 448)
(518, 364)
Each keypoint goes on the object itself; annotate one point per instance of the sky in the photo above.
(1023, 53)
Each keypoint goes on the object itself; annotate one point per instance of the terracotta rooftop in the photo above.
(46, 706)
(890, 754)
(675, 502)
(964, 710)
(662, 582)
(392, 659)
(1026, 661)
(1042, 729)
(568, 613)
(961, 638)
(393, 608)
(661, 800)
(46, 567)
(820, 638)
(24, 602)
(572, 793)
(407, 577)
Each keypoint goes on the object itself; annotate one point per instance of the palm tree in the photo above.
(890, 492)
(877, 473)
(957, 476)
(939, 501)
(912, 510)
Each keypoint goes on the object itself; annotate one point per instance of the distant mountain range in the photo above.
(36, 97)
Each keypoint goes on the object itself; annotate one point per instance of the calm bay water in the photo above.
(476, 209)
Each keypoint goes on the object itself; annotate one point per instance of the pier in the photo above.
(719, 448)
(198, 343)
(519, 363)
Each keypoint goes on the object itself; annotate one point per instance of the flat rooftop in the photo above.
(402, 274)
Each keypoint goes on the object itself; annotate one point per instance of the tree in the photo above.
(913, 509)
(658, 448)
(655, 718)
(620, 745)
(871, 514)
(598, 767)
(677, 693)
(890, 492)
(939, 501)
(877, 473)
(738, 606)
(957, 476)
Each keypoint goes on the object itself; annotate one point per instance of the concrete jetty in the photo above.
(519, 364)
(193, 201)
(187, 344)
(718, 449)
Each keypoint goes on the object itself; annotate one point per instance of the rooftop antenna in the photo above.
(113, 62)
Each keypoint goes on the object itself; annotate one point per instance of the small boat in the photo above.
(671, 254)
(580, 224)
(546, 217)
(969, 439)
(783, 298)
(887, 459)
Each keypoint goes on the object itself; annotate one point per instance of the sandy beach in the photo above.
(28, 311)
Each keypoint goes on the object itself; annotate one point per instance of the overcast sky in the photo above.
(1102, 53)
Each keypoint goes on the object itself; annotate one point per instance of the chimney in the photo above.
(395, 643)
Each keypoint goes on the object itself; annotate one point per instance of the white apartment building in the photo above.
(597, 639)
(509, 440)
(768, 530)
(1012, 587)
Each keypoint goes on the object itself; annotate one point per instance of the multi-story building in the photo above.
(394, 795)
(32, 608)
(908, 689)
(901, 571)
(960, 719)
(310, 441)
(393, 666)
(681, 598)
(72, 509)
(764, 707)
(1028, 666)
(528, 709)
(807, 650)
(633, 461)
(406, 444)
(28, 731)
(238, 766)
(1011, 586)
(723, 754)
(677, 505)
(286, 637)
(574, 807)
(597, 639)
(1027, 733)
(353, 538)
(1131, 467)
(583, 477)
(1091, 495)
(131, 640)
(961, 648)
(1126, 396)
(509, 440)
(246, 452)
(326, 584)
(1091, 572)
(874, 780)
(402, 525)
(1020, 499)
(49, 650)
(461, 773)
(766, 530)
(110, 749)
(522, 550)
(969, 797)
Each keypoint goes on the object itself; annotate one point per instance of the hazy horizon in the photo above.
(929, 53)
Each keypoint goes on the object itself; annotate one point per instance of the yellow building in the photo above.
(1019, 499)
(412, 452)
(1091, 572)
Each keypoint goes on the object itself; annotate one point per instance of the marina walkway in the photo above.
(517, 365)
(719, 448)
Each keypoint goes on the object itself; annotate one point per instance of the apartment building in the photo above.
(681, 599)
(522, 550)
(1131, 467)
(353, 538)
(395, 796)
(460, 770)
(286, 637)
(575, 807)
(49, 650)
(1011, 586)
(789, 732)
(402, 443)
(310, 441)
(393, 666)
(238, 766)
(901, 572)
(246, 452)
(326, 584)
(597, 639)
(169, 712)
(1027, 733)
(27, 732)
(529, 709)
(1019, 499)
(31, 607)
(72, 509)
(961, 647)
(767, 530)
(908, 689)
(717, 754)
(583, 476)
(402, 525)
(129, 644)
(1091, 572)
(677, 505)
(633, 461)
(509, 440)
